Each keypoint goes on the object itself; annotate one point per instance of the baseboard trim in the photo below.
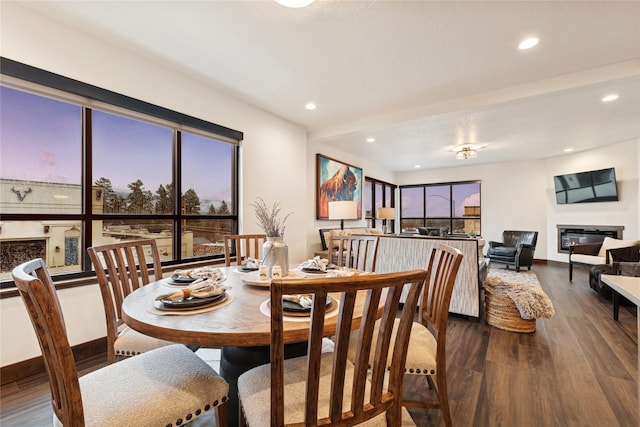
(35, 366)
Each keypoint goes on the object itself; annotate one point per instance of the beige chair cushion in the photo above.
(152, 389)
(131, 342)
(254, 389)
(611, 243)
(421, 355)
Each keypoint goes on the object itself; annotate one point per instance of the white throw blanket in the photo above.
(530, 299)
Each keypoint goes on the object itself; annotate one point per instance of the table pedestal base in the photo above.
(235, 361)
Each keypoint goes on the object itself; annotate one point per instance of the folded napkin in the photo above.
(305, 301)
(207, 272)
(252, 263)
(201, 288)
(315, 264)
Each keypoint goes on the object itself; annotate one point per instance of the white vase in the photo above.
(276, 252)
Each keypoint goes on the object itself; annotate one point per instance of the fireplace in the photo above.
(579, 234)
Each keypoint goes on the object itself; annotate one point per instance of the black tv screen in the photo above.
(585, 187)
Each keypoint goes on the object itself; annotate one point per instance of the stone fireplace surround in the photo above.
(579, 234)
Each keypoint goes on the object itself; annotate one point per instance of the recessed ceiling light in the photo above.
(610, 98)
(310, 106)
(294, 3)
(416, 166)
(528, 43)
(371, 140)
(568, 150)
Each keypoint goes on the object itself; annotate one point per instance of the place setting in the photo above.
(182, 278)
(297, 308)
(316, 265)
(200, 295)
(249, 265)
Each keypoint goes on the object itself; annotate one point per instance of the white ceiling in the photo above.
(418, 76)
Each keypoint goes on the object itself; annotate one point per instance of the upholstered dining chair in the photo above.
(427, 345)
(120, 269)
(356, 251)
(324, 387)
(167, 386)
(238, 247)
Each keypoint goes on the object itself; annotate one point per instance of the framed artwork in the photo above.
(336, 180)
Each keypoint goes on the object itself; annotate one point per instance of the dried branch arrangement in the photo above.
(268, 218)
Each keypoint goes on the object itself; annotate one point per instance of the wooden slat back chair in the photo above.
(161, 387)
(427, 349)
(120, 269)
(237, 247)
(426, 354)
(356, 251)
(324, 387)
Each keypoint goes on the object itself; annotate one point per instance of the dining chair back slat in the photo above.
(444, 263)
(359, 252)
(239, 247)
(121, 268)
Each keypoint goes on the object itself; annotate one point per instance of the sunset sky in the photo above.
(46, 133)
(438, 200)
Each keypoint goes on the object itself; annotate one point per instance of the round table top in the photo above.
(237, 323)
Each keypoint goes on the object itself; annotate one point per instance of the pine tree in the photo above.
(224, 208)
(191, 202)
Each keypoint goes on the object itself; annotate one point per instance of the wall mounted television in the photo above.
(584, 187)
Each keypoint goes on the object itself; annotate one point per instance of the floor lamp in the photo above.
(385, 214)
(343, 209)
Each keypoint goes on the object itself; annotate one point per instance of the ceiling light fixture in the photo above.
(528, 43)
(610, 98)
(464, 152)
(294, 3)
(371, 140)
(310, 106)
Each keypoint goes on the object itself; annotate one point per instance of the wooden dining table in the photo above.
(240, 326)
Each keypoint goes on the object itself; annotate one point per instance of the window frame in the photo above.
(40, 82)
(452, 217)
(386, 188)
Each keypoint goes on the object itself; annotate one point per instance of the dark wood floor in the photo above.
(580, 368)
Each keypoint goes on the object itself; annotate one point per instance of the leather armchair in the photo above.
(516, 248)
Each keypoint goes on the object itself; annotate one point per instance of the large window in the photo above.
(378, 194)
(454, 207)
(76, 173)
